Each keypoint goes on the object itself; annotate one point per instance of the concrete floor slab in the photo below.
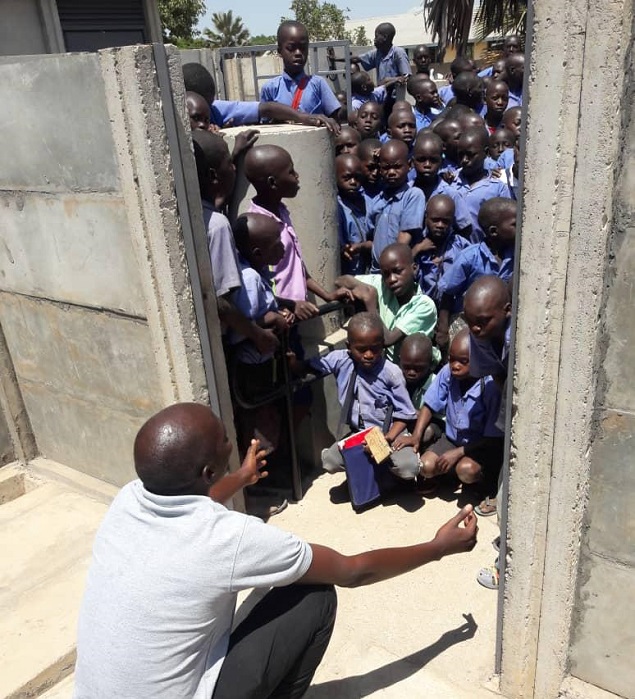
(429, 633)
(46, 539)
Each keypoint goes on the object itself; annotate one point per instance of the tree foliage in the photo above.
(179, 18)
(230, 30)
(358, 37)
(323, 20)
(262, 40)
(450, 20)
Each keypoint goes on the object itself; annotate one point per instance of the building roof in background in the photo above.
(409, 26)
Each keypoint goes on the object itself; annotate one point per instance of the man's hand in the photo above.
(265, 340)
(251, 468)
(405, 440)
(446, 461)
(278, 323)
(454, 538)
(305, 310)
(244, 141)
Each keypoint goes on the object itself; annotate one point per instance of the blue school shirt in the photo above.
(474, 195)
(372, 191)
(473, 262)
(469, 416)
(449, 165)
(505, 160)
(241, 113)
(394, 211)
(462, 218)
(317, 98)
(423, 120)
(390, 65)
(253, 300)
(377, 95)
(354, 227)
(375, 389)
(515, 99)
(486, 72)
(222, 250)
(446, 93)
(431, 271)
(485, 359)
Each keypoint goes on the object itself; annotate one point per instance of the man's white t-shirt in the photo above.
(161, 592)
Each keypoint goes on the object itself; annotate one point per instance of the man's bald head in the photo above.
(181, 450)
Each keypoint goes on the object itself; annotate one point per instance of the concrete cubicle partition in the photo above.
(96, 306)
(314, 216)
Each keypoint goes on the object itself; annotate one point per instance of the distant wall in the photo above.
(21, 28)
(95, 302)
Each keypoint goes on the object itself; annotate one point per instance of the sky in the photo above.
(264, 17)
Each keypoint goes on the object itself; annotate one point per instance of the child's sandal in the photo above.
(487, 508)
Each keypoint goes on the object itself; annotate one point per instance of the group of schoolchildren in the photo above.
(427, 215)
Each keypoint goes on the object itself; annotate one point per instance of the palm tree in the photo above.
(450, 20)
(230, 30)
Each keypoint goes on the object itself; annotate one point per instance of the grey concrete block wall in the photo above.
(604, 614)
(96, 308)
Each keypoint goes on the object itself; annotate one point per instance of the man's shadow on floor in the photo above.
(362, 685)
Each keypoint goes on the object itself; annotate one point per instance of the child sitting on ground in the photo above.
(355, 231)
(439, 248)
(306, 93)
(347, 141)
(368, 120)
(474, 183)
(396, 296)
(495, 255)
(368, 154)
(379, 395)
(472, 446)
(427, 160)
(254, 374)
(427, 102)
(416, 361)
(216, 176)
(271, 171)
(399, 208)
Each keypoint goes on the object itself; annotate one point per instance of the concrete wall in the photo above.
(604, 611)
(21, 28)
(570, 435)
(95, 299)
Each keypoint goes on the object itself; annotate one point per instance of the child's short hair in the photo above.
(364, 322)
(367, 148)
(429, 137)
(491, 211)
(257, 163)
(289, 24)
(198, 79)
(418, 343)
(461, 64)
(209, 152)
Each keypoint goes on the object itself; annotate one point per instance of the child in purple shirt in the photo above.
(216, 174)
(379, 391)
(271, 171)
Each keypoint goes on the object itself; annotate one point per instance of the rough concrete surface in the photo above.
(46, 539)
(72, 247)
(69, 145)
(406, 637)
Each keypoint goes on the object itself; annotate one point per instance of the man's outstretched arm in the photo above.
(328, 566)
